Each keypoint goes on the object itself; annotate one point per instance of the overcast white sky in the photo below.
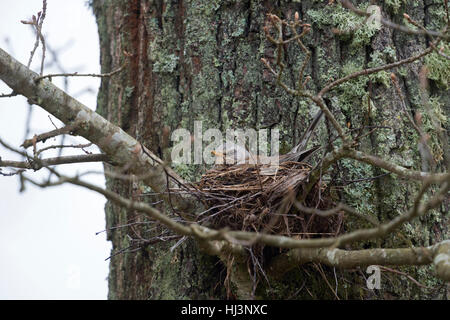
(48, 246)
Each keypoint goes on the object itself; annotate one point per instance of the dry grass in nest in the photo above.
(241, 197)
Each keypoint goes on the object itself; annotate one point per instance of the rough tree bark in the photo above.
(200, 60)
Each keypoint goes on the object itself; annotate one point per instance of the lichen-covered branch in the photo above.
(249, 238)
(392, 167)
(120, 147)
(224, 243)
(438, 255)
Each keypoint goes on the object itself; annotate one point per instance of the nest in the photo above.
(245, 197)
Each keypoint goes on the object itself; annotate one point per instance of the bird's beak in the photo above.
(217, 154)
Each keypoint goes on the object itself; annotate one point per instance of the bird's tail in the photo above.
(298, 153)
(307, 135)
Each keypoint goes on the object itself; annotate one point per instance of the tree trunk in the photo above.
(200, 60)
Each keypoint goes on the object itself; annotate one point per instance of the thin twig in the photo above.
(406, 275)
(341, 207)
(76, 74)
(366, 72)
(347, 4)
(37, 24)
(8, 95)
(37, 164)
(68, 129)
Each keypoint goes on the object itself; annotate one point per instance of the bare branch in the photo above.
(340, 208)
(120, 147)
(8, 95)
(37, 24)
(438, 254)
(151, 212)
(392, 167)
(61, 146)
(37, 164)
(440, 51)
(76, 74)
(366, 72)
(442, 261)
(359, 235)
(205, 235)
(68, 129)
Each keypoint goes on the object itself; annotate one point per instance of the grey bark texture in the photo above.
(200, 60)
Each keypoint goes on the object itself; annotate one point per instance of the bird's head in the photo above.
(230, 153)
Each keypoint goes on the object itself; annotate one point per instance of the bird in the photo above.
(230, 153)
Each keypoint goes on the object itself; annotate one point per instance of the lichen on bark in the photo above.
(200, 60)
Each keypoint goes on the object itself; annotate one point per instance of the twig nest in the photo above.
(240, 197)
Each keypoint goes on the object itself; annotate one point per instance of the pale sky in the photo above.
(48, 246)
